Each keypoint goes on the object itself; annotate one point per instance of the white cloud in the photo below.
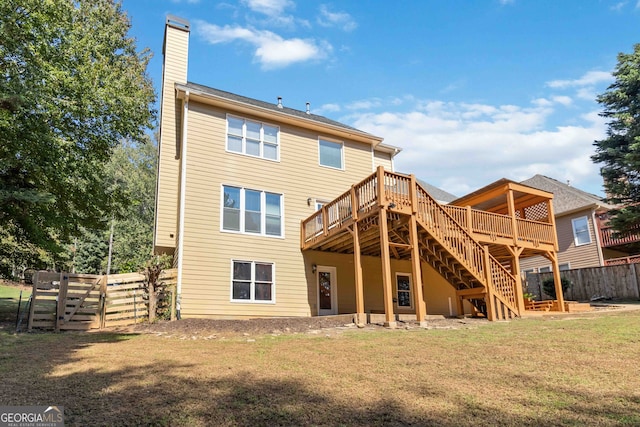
(564, 100)
(343, 20)
(271, 50)
(588, 79)
(461, 147)
(364, 104)
(270, 8)
(618, 6)
(327, 108)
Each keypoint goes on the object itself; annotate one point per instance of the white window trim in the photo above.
(244, 139)
(575, 236)
(546, 266)
(404, 307)
(341, 153)
(263, 212)
(272, 301)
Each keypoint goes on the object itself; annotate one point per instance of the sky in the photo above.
(471, 90)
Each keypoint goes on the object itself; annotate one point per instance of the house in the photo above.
(585, 238)
(273, 211)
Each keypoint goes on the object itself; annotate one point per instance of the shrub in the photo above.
(549, 287)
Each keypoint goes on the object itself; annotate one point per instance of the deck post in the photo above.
(515, 271)
(511, 206)
(382, 198)
(416, 271)
(489, 299)
(385, 258)
(469, 220)
(557, 280)
(361, 317)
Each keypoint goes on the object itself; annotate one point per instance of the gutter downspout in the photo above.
(183, 186)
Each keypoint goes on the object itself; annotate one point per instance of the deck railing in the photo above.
(609, 237)
(494, 225)
(624, 260)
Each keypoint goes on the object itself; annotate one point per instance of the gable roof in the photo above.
(437, 193)
(566, 198)
(217, 94)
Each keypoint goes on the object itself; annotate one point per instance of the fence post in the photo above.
(104, 281)
(61, 307)
(32, 306)
(173, 304)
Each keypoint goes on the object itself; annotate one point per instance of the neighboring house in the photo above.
(584, 237)
(273, 211)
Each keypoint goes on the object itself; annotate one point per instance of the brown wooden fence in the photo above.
(617, 282)
(64, 301)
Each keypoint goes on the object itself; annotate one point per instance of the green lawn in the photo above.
(9, 297)
(573, 371)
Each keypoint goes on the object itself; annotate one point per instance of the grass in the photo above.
(9, 298)
(522, 373)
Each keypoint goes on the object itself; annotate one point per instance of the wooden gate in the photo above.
(63, 301)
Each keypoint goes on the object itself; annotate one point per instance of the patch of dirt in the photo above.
(326, 325)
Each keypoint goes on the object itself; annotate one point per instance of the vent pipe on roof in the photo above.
(308, 108)
(279, 102)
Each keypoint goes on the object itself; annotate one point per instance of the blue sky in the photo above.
(472, 91)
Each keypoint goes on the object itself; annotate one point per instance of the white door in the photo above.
(327, 294)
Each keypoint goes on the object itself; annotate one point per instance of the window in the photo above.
(403, 287)
(330, 154)
(252, 281)
(251, 211)
(252, 138)
(564, 267)
(581, 233)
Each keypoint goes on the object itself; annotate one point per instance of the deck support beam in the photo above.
(390, 320)
(489, 299)
(515, 271)
(361, 317)
(557, 280)
(416, 271)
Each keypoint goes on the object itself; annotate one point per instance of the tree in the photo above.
(132, 168)
(619, 153)
(72, 86)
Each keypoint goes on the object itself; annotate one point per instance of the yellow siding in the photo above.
(207, 251)
(383, 159)
(175, 70)
(436, 289)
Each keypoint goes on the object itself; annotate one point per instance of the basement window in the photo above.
(403, 289)
(252, 281)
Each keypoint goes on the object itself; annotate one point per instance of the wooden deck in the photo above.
(386, 209)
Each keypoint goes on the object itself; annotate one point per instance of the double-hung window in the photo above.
(251, 211)
(252, 138)
(330, 154)
(581, 233)
(252, 281)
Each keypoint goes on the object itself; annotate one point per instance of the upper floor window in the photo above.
(251, 211)
(331, 154)
(581, 233)
(252, 138)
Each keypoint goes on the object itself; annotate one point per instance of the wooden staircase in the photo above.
(467, 265)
